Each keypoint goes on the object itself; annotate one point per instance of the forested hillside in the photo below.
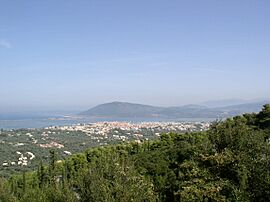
(229, 162)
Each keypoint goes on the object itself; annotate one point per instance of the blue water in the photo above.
(28, 120)
(33, 123)
(45, 121)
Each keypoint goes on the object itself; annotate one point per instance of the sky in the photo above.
(74, 54)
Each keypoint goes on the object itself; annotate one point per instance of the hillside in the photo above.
(228, 162)
(123, 109)
(131, 110)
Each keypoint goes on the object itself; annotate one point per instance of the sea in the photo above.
(42, 121)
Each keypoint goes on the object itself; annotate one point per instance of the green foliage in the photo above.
(263, 118)
(114, 178)
(242, 154)
(5, 194)
(229, 162)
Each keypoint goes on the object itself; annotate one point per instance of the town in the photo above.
(26, 148)
(104, 129)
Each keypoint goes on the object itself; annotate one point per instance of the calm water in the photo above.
(41, 122)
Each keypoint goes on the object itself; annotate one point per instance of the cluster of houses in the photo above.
(104, 128)
(23, 159)
(101, 133)
(52, 145)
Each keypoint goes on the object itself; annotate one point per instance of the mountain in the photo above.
(132, 110)
(123, 109)
(231, 102)
(222, 103)
(242, 108)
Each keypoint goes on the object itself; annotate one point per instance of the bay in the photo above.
(41, 122)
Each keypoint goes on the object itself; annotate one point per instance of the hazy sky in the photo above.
(61, 54)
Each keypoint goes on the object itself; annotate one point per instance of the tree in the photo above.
(112, 179)
(263, 118)
(5, 195)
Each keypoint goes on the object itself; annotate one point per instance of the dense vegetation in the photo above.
(229, 162)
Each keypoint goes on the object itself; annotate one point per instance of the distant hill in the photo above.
(231, 102)
(234, 110)
(132, 110)
(123, 109)
(224, 102)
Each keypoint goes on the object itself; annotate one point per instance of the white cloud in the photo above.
(5, 44)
